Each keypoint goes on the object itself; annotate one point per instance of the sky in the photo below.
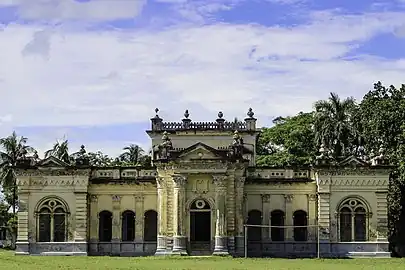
(93, 71)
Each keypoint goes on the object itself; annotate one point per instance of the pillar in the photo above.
(382, 216)
(289, 217)
(22, 243)
(179, 194)
(324, 216)
(221, 247)
(266, 216)
(116, 225)
(312, 231)
(139, 223)
(239, 211)
(81, 217)
(161, 238)
(139, 218)
(93, 219)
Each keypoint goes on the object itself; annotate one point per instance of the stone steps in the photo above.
(361, 254)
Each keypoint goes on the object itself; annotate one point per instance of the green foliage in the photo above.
(333, 125)
(289, 142)
(380, 117)
(396, 212)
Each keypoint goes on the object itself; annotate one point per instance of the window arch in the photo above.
(105, 226)
(52, 219)
(277, 219)
(353, 222)
(300, 218)
(150, 226)
(128, 226)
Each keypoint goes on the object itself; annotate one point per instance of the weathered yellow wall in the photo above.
(70, 189)
(135, 197)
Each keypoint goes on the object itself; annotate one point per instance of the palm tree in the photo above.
(133, 154)
(59, 150)
(333, 123)
(12, 149)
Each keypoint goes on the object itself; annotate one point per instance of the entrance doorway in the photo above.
(200, 228)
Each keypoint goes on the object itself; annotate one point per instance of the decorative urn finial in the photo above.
(220, 115)
(250, 113)
(157, 111)
(186, 114)
(82, 150)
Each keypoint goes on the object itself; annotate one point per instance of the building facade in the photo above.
(203, 188)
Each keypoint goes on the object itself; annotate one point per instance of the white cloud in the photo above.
(59, 10)
(60, 77)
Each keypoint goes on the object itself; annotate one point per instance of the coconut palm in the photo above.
(133, 154)
(59, 150)
(333, 125)
(12, 149)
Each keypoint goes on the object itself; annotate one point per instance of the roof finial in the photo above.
(220, 115)
(156, 111)
(186, 114)
(250, 113)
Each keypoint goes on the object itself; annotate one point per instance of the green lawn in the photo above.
(10, 262)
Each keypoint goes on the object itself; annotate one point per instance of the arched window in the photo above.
(105, 226)
(52, 221)
(254, 218)
(150, 226)
(128, 226)
(353, 220)
(300, 219)
(277, 219)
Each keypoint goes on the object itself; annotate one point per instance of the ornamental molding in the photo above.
(288, 198)
(312, 197)
(139, 198)
(353, 171)
(194, 164)
(179, 180)
(265, 198)
(53, 172)
(52, 181)
(240, 182)
(359, 182)
(220, 181)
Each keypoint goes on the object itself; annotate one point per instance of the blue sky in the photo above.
(93, 71)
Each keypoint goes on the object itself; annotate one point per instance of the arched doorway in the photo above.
(200, 227)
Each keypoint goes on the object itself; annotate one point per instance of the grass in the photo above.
(11, 262)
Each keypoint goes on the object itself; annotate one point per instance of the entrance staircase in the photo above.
(201, 248)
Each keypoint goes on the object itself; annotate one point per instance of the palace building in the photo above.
(203, 188)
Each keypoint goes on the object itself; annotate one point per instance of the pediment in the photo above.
(199, 151)
(52, 162)
(353, 161)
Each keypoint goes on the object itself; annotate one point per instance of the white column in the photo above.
(161, 239)
(116, 225)
(239, 200)
(239, 211)
(93, 218)
(221, 247)
(81, 217)
(22, 242)
(266, 215)
(139, 218)
(179, 238)
(289, 217)
(312, 231)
